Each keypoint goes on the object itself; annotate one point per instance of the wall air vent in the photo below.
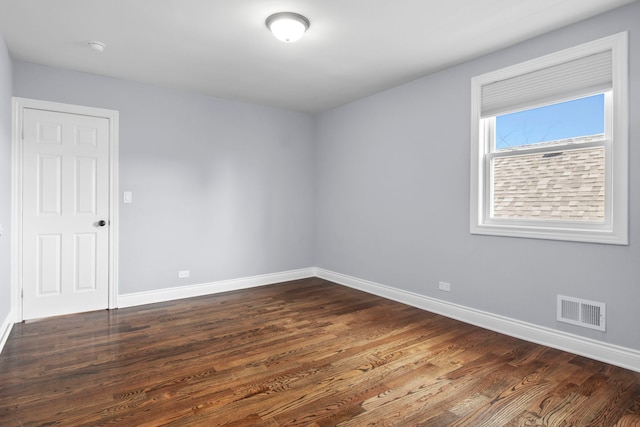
(581, 312)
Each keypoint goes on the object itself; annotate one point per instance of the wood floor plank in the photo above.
(301, 353)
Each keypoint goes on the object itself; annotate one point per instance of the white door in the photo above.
(65, 213)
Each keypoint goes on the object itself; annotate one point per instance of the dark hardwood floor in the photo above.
(303, 353)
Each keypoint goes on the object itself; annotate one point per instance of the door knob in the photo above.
(102, 223)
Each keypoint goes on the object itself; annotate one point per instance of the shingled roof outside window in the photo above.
(562, 185)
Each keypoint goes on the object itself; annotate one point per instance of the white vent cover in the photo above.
(582, 312)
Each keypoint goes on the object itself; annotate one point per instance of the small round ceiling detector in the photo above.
(96, 46)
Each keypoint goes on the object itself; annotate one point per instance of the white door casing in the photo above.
(65, 169)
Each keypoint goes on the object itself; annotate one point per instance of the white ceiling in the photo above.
(354, 48)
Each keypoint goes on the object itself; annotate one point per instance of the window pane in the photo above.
(571, 119)
(565, 186)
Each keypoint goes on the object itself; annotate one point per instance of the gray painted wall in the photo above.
(220, 188)
(5, 179)
(393, 200)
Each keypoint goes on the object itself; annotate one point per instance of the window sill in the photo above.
(551, 233)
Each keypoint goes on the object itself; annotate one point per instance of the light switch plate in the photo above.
(127, 197)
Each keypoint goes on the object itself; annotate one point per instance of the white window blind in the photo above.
(572, 79)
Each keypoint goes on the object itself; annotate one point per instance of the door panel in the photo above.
(65, 251)
(48, 264)
(49, 183)
(85, 195)
(86, 261)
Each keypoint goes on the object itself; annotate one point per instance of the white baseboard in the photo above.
(189, 291)
(5, 330)
(608, 353)
(598, 350)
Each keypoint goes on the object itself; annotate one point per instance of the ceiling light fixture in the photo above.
(287, 26)
(96, 46)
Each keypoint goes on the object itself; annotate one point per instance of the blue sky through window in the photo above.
(578, 117)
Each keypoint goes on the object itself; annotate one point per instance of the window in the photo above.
(549, 146)
(548, 163)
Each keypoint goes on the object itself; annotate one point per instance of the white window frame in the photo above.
(614, 229)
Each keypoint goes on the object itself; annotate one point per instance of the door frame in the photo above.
(18, 107)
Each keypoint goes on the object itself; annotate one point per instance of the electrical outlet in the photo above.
(444, 286)
(183, 274)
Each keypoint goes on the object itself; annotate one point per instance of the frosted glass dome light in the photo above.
(287, 26)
